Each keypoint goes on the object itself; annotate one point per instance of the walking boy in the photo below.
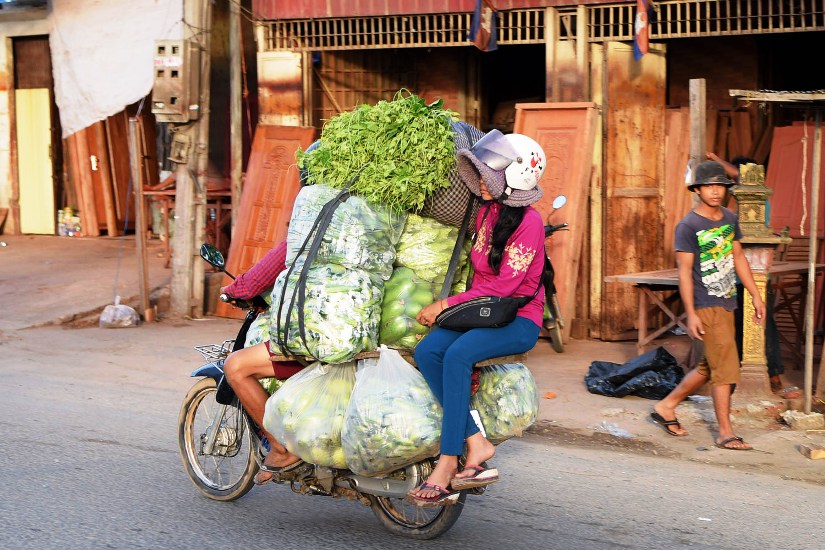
(710, 257)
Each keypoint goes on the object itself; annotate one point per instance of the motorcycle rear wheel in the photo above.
(408, 520)
(556, 340)
(228, 473)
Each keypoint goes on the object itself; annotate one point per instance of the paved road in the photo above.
(90, 461)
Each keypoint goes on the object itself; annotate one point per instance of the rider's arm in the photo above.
(260, 277)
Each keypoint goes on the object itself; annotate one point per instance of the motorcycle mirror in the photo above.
(213, 256)
(559, 201)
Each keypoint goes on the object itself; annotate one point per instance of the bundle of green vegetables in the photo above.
(307, 413)
(405, 147)
(359, 236)
(404, 296)
(426, 247)
(393, 419)
(507, 400)
(341, 313)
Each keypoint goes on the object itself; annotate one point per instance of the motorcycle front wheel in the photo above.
(408, 520)
(228, 472)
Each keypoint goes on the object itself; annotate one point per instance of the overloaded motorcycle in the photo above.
(222, 448)
(553, 320)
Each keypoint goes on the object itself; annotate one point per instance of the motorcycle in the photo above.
(222, 448)
(553, 320)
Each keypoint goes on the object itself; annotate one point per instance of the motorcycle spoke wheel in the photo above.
(408, 520)
(227, 473)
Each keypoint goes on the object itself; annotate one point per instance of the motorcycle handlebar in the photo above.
(550, 229)
(257, 301)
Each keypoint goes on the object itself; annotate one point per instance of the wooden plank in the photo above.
(267, 199)
(712, 120)
(722, 132)
(741, 136)
(676, 199)
(762, 147)
(110, 211)
(566, 132)
(84, 185)
(634, 113)
(117, 143)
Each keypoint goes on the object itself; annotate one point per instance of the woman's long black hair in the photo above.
(509, 219)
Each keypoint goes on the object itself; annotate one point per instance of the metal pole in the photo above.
(812, 250)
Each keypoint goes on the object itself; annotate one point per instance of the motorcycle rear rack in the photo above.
(214, 352)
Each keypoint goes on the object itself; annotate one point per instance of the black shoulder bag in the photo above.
(481, 312)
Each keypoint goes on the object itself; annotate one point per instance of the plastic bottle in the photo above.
(61, 223)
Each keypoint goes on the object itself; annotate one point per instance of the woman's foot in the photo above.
(438, 482)
(479, 451)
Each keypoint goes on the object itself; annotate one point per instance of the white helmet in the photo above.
(522, 159)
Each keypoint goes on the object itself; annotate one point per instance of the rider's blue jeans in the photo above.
(446, 360)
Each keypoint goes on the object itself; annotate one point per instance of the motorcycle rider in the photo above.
(243, 368)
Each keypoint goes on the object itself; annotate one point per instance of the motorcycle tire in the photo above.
(408, 520)
(228, 473)
(554, 332)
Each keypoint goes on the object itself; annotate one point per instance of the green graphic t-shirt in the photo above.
(711, 243)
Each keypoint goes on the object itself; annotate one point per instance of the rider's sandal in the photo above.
(442, 498)
(481, 478)
(275, 471)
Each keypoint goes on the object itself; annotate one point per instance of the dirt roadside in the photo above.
(47, 281)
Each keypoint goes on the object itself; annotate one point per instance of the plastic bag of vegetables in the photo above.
(393, 419)
(360, 235)
(426, 247)
(341, 313)
(404, 296)
(507, 400)
(307, 413)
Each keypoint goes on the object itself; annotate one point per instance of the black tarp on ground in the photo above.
(651, 375)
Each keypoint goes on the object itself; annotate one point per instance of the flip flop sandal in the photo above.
(276, 471)
(443, 498)
(791, 392)
(481, 478)
(659, 420)
(724, 444)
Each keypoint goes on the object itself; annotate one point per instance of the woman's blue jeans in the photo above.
(446, 359)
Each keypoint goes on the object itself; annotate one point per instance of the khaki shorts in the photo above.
(721, 362)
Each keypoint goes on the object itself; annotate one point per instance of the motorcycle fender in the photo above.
(225, 394)
(212, 370)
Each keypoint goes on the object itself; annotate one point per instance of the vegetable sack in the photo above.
(507, 400)
(307, 413)
(341, 313)
(393, 418)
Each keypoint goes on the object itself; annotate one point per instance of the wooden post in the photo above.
(140, 223)
(235, 107)
(186, 298)
(698, 126)
(812, 250)
(551, 34)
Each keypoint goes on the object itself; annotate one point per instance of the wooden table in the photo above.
(649, 283)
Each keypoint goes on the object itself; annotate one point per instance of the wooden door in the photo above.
(270, 187)
(790, 204)
(566, 132)
(34, 163)
(634, 114)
